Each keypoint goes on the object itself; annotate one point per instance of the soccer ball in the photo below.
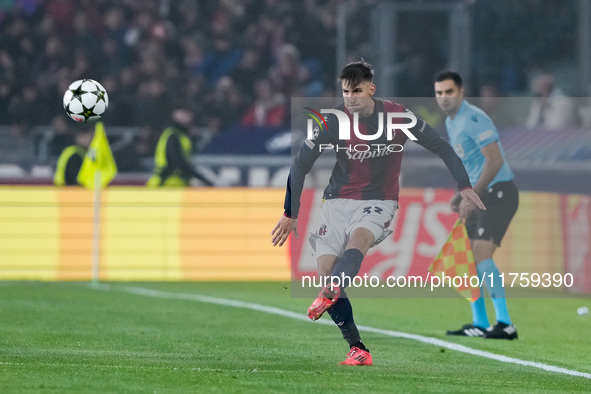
(86, 100)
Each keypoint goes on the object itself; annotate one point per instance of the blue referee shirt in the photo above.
(468, 132)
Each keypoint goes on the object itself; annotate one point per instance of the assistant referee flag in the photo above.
(98, 159)
(456, 259)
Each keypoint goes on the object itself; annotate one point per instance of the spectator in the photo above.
(193, 56)
(265, 34)
(551, 109)
(269, 108)
(188, 16)
(26, 108)
(114, 46)
(151, 108)
(289, 75)
(221, 59)
(62, 12)
(225, 106)
(248, 71)
(86, 40)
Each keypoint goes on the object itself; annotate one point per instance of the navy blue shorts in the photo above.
(501, 201)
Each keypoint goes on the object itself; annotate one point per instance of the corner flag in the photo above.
(98, 161)
(456, 259)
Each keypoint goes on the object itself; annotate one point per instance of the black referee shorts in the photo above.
(501, 201)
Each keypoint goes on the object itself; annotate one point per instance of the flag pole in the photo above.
(96, 228)
(97, 171)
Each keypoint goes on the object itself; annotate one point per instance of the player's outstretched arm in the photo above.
(282, 230)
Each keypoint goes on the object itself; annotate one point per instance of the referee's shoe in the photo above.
(501, 331)
(469, 330)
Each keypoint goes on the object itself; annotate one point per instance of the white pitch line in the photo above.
(300, 316)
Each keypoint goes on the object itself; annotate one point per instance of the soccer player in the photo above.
(361, 197)
(474, 137)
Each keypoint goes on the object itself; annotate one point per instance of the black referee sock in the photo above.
(342, 314)
(348, 266)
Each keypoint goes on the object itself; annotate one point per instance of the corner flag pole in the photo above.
(96, 228)
(97, 171)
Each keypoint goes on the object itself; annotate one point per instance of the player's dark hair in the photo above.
(444, 75)
(357, 72)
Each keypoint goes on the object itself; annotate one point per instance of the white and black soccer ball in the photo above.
(86, 100)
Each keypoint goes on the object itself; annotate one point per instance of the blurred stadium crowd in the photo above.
(240, 59)
(237, 62)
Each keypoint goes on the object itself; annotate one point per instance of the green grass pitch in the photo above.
(69, 337)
